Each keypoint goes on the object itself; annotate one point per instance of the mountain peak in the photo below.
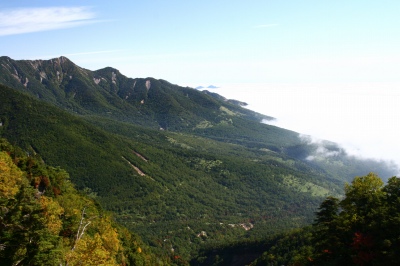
(64, 59)
(107, 91)
(208, 87)
(212, 87)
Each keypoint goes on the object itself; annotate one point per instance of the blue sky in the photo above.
(212, 41)
(324, 68)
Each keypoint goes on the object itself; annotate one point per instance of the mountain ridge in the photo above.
(106, 90)
(210, 163)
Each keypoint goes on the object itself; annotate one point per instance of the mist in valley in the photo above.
(361, 118)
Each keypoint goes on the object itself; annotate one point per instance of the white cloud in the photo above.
(360, 117)
(25, 20)
(323, 149)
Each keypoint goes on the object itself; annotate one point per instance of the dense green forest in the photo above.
(360, 229)
(190, 172)
(44, 220)
(183, 176)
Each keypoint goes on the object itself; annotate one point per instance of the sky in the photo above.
(328, 69)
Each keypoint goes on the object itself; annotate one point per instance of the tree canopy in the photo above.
(45, 221)
(362, 228)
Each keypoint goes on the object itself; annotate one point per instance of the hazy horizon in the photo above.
(326, 69)
(348, 114)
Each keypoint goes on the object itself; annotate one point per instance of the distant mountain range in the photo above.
(181, 167)
(208, 87)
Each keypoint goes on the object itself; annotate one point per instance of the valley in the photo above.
(185, 170)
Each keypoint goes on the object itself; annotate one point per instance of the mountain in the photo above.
(212, 87)
(183, 168)
(208, 87)
(235, 102)
(108, 93)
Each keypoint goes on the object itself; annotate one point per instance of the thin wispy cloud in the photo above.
(266, 25)
(25, 20)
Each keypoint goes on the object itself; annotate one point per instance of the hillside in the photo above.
(108, 93)
(359, 229)
(184, 169)
(46, 221)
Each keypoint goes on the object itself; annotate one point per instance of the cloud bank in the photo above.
(361, 118)
(26, 20)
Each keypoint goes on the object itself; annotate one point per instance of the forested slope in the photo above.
(108, 93)
(183, 175)
(183, 168)
(360, 229)
(45, 221)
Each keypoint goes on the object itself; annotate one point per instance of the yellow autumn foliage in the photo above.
(73, 229)
(90, 251)
(10, 177)
(52, 211)
(109, 236)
